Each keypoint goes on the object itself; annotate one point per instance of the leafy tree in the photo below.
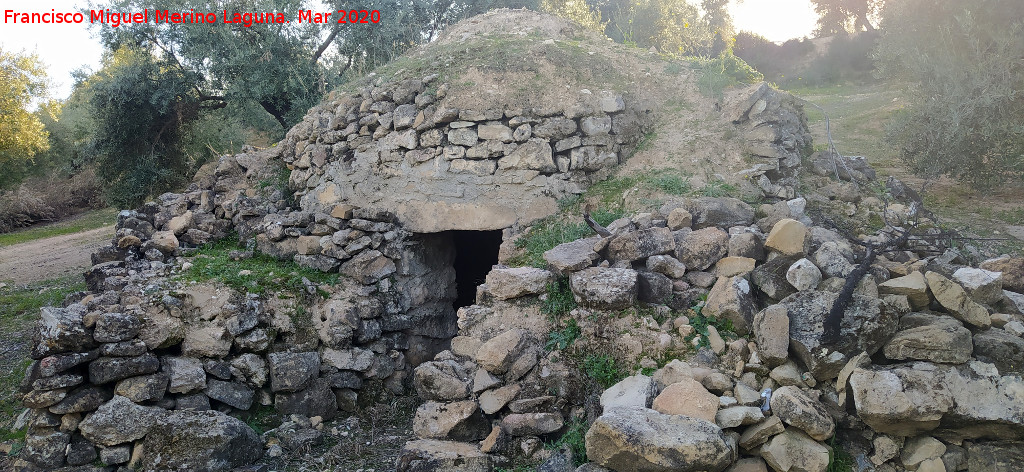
(22, 79)
(963, 107)
(840, 16)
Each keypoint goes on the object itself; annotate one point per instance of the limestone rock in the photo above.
(731, 266)
(913, 286)
(797, 408)
(199, 440)
(441, 380)
(211, 341)
(787, 237)
(833, 260)
(758, 434)
(679, 218)
(535, 154)
(604, 288)
(1012, 269)
(573, 256)
(516, 282)
(114, 327)
(636, 245)
(429, 455)
(497, 354)
(461, 421)
(119, 421)
(735, 416)
(111, 369)
(795, 451)
(62, 330)
(233, 394)
(984, 286)
(667, 265)
(143, 388)
(494, 400)
(315, 400)
(900, 401)
(186, 374)
(732, 299)
(1001, 348)
(953, 298)
(641, 439)
(532, 424)
(636, 390)
(771, 277)
(930, 338)
(718, 212)
(368, 267)
(699, 249)
(803, 275)
(46, 448)
(292, 371)
(863, 328)
(919, 449)
(771, 331)
(164, 241)
(687, 397)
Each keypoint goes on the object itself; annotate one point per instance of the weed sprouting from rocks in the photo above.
(602, 369)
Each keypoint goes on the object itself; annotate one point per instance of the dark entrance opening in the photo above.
(475, 253)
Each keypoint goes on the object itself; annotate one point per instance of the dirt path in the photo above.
(50, 258)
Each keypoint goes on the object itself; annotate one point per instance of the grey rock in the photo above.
(796, 408)
(461, 421)
(636, 245)
(292, 371)
(119, 421)
(720, 212)
(573, 256)
(233, 394)
(517, 282)
(700, 249)
(111, 369)
(1000, 348)
(144, 387)
(604, 288)
(441, 381)
(61, 330)
(930, 338)
(427, 455)
(200, 440)
(80, 400)
(186, 374)
(114, 327)
(46, 448)
(863, 328)
(316, 400)
(635, 438)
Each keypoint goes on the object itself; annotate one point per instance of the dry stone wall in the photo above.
(404, 147)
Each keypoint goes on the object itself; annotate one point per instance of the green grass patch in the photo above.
(563, 338)
(83, 222)
(551, 232)
(575, 438)
(700, 323)
(602, 368)
(259, 274)
(262, 418)
(717, 188)
(838, 459)
(19, 309)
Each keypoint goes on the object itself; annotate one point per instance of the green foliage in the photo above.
(559, 301)
(842, 16)
(967, 87)
(260, 274)
(563, 338)
(726, 70)
(262, 418)
(575, 439)
(22, 80)
(717, 188)
(551, 232)
(579, 11)
(700, 324)
(838, 459)
(602, 368)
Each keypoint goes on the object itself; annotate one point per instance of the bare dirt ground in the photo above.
(50, 258)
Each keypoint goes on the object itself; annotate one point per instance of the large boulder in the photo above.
(721, 212)
(643, 440)
(700, 249)
(119, 421)
(732, 299)
(431, 455)
(573, 256)
(516, 282)
(1001, 348)
(797, 408)
(604, 288)
(1012, 269)
(636, 245)
(970, 401)
(200, 441)
(794, 451)
(954, 298)
(863, 328)
(929, 337)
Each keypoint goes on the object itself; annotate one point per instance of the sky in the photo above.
(67, 47)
